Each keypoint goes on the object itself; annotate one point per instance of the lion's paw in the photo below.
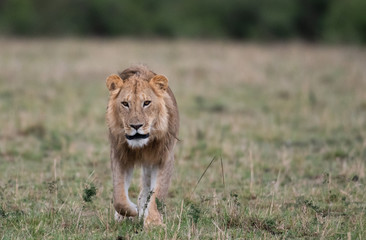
(118, 217)
(153, 220)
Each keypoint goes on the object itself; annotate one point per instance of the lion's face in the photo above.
(138, 108)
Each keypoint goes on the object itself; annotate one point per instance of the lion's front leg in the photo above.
(122, 176)
(149, 172)
(159, 184)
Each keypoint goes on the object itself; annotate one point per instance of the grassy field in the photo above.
(287, 120)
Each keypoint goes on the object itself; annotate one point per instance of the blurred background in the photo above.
(275, 90)
(311, 20)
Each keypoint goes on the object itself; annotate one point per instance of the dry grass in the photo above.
(289, 121)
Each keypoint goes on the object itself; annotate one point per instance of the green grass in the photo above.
(289, 122)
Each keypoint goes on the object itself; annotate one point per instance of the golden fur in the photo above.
(143, 121)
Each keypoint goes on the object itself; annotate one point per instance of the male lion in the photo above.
(143, 122)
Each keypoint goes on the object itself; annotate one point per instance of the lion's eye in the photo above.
(147, 103)
(124, 104)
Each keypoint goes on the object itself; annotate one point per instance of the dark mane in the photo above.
(139, 71)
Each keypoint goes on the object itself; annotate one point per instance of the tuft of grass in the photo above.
(2, 212)
(37, 130)
(89, 192)
(193, 212)
(265, 224)
(160, 205)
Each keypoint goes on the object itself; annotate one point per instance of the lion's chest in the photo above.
(151, 154)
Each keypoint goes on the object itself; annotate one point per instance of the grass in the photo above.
(288, 121)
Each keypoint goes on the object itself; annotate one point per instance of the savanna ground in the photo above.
(288, 121)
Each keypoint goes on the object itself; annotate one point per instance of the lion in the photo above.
(143, 122)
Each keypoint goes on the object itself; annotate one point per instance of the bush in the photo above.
(331, 20)
(346, 21)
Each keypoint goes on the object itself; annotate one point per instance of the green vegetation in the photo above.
(265, 20)
(289, 122)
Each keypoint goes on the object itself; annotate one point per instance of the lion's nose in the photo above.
(136, 126)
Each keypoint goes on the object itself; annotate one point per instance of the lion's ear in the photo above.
(160, 81)
(113, 82)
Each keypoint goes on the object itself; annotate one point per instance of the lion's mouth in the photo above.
(137, 136)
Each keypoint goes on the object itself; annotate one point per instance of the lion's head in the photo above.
(137, 108)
